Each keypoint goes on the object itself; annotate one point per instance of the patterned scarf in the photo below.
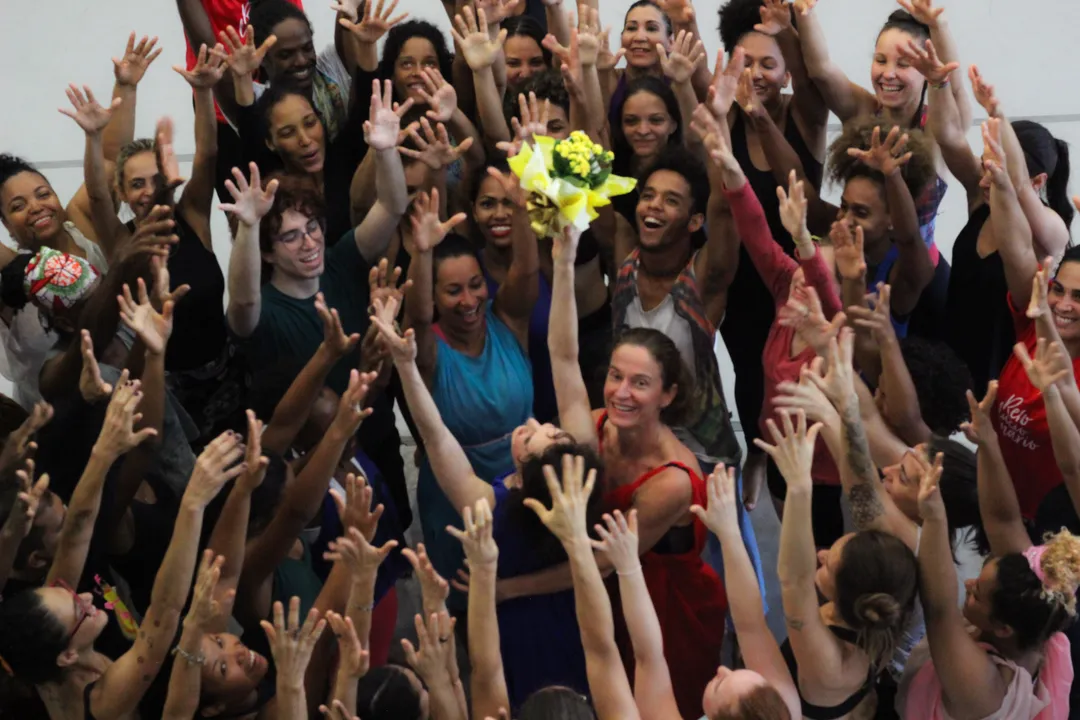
(55, 281)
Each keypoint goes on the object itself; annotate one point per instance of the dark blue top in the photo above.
(539, 636)
(544, 406)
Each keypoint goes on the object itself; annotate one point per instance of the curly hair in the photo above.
(129, 151)
(941, 381)
(1035, 610)
(918, 172)
(12, 165)
(738, 18)
(547, 84)
(402, 33)
(299, 194)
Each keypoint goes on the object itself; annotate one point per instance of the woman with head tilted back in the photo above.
(1038, 168)
(897, 97)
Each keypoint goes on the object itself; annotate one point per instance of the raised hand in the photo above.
(923, 11)
(385, 284)
(439, 94)
(292, 644)
(255, 463)
(383, 125)
(351, 411)
(722, 514)
(566, 518)
(435, 149)
(375, 22)
(27, 501)
(19, 444)
(1039, 305)
(337, 710)
(118, 434)
(980, 429)
(931, 504)
(402, 347)
(746, 96)
(805, 7)
(357, 553)
(217, 464)
(91, 386)
(150, 326)
(993, 158)
(355, 509)
(168, 165)
(606, 60)
(565, 244)
(926, 61)
(353, 659)
(793, 451)
(499, 10)
(433, 587)
(129, 68)
(477, 536)
(159, 271)
(619, 541)
(250, 201)
(793, 208)
(470, 31)
(1050, 365)
(88, 113)
(803, 312)
(725, 82)
(588, 35)
(775, 17)
(848, 250)
(534, 120)
(243, 57)
(334, 338)
(154, 235)
(838, 383)
(432, 658)
(682, 60)
(807, 396)
(204, 608)
(984, 92)
(879, 319)
(427, 230)
(707, 127)
(681, 12)
(888, 156)
(209, 68)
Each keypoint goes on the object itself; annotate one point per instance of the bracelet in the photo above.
(365, 608)
(635, 571)
(190, 659)
(940, 85)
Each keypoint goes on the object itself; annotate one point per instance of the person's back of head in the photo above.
(1035, 593)
(1047, 156)
(875, 590)
(31, 639)
(761, 703)
(385, 693)
(556, 703)
(941, 381)
(917, 172)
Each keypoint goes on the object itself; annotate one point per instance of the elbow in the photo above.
(243, 317)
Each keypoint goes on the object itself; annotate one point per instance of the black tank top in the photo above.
(979, 323)
(818, 712)
(198, 336)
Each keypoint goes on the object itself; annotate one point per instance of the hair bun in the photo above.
(878, 611)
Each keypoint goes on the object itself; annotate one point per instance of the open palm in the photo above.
(88, 113)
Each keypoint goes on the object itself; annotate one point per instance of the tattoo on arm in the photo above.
(795, 624)
(866, 505)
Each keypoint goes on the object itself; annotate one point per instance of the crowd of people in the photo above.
(201, 467)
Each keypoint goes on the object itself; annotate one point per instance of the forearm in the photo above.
(563, 319)
(641, 620)
(796, 562)
(488, 681)
(937, 573)
(359, 606)
(245, 275)
(102, 210)
(185, 682)
(1064, 436)
(769, 259)
(858, 474)
(545, 582)
(140, 459)
(391, 190)
(173, 581)
(741, 583)
(82, 514)
(305, 495)
(902, 412)
(229, 536)
(243, 90)
(293, 410)
(914, 269)
(998, 504)
(1014, 243)
(781, 157)
(595, 109)
(489, 107)
(591, 601)
(419, 312)
(688, 102)
(945, 45)
(121, 128)
(10, 539)
(557, 24)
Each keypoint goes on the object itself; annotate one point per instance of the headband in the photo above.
(56, 281)
(1033, 555)
(1066, 596)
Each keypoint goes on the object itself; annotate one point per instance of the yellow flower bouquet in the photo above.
(566, 181)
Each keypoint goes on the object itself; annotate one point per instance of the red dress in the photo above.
(688, 596)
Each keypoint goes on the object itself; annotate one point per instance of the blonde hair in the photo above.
(127, 152)
(1060, 565)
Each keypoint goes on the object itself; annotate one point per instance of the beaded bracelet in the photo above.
(635, 571)
(941, 85)
(190, 659)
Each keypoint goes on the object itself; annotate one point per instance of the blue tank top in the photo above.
(481, 400)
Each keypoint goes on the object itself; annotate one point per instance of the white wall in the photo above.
(1021, 47)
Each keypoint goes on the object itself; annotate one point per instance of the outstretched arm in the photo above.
(841, 96)
(759, 648)
(250, 204)
(970, 680)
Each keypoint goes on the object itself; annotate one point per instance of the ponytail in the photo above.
(1057, 185)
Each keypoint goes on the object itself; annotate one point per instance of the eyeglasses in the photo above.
(313, 230)
(82, 607)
